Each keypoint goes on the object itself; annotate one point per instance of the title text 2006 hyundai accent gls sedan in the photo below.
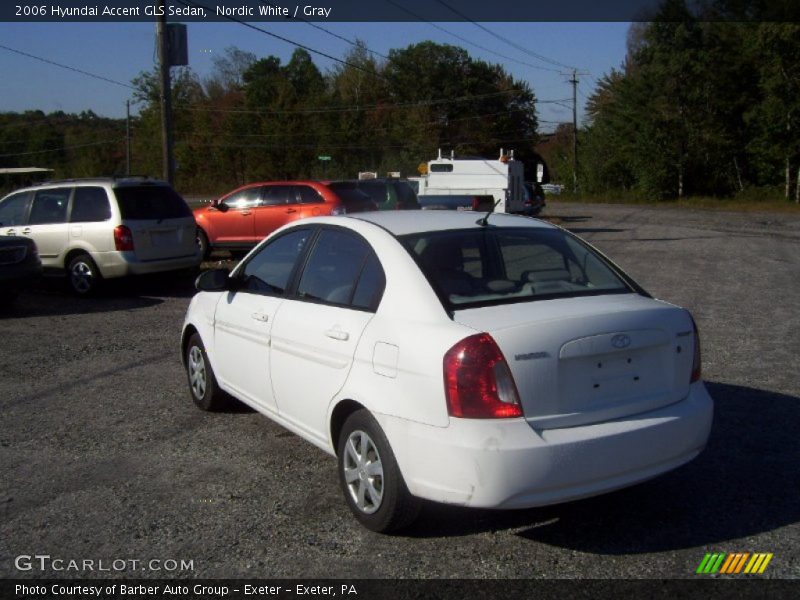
(488, 362)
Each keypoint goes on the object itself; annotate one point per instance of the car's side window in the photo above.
(308, 195)
(276, 195)
(13, 209)
(247, 198)
(371, 284)
(269, 270)
(335, 268)
(49, 206)
(90, 204)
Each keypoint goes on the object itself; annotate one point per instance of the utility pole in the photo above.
(127, 138)
(575, 164)
(168, 163)
(574, 82)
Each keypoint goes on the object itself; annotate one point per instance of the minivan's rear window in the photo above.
(148, 202)
(487, 266)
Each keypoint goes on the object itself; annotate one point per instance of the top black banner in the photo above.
(398, 10)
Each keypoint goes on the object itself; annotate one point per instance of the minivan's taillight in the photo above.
(123, 238)
(477, 381)
(696, 361)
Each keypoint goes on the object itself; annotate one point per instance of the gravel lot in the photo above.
(105, 457)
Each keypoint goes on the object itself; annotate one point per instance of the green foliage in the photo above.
(256, 118)
(699, 108)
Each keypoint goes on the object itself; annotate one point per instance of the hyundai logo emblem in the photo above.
(621, 341)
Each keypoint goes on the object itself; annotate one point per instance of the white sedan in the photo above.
(489, 362)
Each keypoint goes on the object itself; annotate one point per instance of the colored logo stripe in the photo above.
(734, 563)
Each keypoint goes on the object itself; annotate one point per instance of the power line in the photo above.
(331, 33)
(513, 44)
(471, 43)
(304, 111)
(62, 148)
(287, 40)
(76, 70)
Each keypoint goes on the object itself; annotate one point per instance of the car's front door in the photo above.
(47, 224)
(245, 318)
(233, 218)
(317, 329)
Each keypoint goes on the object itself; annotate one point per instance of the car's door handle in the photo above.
(10, 232)
(26, 231)
(260, 317)
(245, 213)
(291, 210)
(338, 334)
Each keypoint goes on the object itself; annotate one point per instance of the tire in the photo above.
(202, 243)
(371, 481)
(203, 386)
(83, 276)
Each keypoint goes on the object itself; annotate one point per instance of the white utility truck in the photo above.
(503, 179)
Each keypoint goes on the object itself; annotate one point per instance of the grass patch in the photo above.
(753, 200)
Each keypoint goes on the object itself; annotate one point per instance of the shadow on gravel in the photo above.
(743, 484)
(50, 296)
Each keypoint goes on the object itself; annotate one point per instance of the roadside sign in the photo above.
(324, 157)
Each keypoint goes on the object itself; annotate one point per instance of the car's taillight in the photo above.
(696, 361)
(123, 238)
(477, 381)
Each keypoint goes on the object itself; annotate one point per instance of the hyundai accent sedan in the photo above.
(481, 361)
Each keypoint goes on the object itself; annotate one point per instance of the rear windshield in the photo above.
(349, 193)
(148, 202)
(488, 266)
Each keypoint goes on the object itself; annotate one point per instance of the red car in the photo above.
(242, 218)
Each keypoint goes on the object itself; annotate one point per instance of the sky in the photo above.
(120, 51)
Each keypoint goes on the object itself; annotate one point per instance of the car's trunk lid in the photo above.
(583, 360)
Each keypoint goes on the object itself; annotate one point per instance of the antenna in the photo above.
(484, 221)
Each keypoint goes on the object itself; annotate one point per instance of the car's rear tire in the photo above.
(371, 481)
(203, 386)
(83, 276)
(202, 243)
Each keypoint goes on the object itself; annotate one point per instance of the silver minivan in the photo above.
(94, 229)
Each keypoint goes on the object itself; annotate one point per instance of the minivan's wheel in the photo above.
(83, 277)
(202, 382)
(370, 478)
(202, 243)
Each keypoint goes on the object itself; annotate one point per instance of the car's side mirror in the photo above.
(215, 280)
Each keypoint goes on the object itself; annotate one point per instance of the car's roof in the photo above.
(112, 181)
(404, 222)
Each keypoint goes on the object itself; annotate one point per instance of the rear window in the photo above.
(484, 267)
(349, 193)
(148, 202)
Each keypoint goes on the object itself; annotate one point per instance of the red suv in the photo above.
(245, 216)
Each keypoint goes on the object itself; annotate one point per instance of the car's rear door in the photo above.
(275, 209)
(317, 329)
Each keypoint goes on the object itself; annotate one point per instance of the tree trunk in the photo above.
(787, 190)
(680, 181)
(797, 187)
(738, 174)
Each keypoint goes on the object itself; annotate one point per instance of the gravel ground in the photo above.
(105, 457)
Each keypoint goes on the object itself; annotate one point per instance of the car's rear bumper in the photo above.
(507, 464)
(121, 264)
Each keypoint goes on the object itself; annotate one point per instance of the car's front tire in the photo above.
(203, 387)
(83, 276)
(370, 477)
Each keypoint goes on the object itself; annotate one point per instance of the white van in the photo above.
(94, 229)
